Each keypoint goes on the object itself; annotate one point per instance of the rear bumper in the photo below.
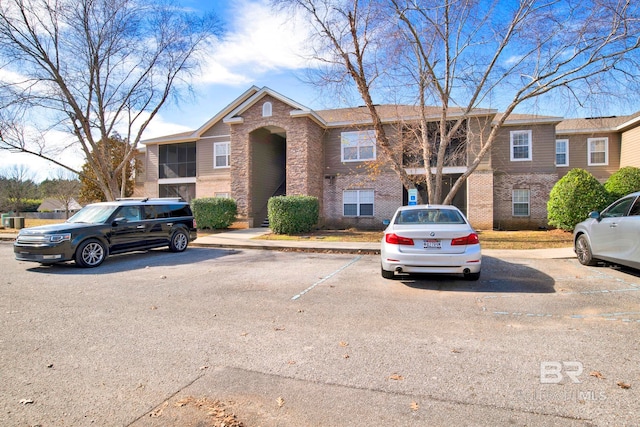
(469, 261)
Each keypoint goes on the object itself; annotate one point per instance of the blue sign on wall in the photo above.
(413, 197)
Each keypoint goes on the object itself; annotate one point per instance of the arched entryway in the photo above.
(268, 169)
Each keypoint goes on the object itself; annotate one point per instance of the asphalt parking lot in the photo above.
(313, 339)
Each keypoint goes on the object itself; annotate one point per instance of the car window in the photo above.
(635, 209)
(620, 208)
(429, 216)
(131, 213)
(96, 214)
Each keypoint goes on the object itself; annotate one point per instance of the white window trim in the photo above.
(267, 109)
(529, 145)
(361, 137)
(358, 203)
(228, 165)
(513, 203)
(188, 180)
(606, 151)
(566, 153)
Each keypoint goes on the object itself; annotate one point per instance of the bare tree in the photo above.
(463, 55)
(91, 68)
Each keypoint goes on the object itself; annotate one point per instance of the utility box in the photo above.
(18, 222)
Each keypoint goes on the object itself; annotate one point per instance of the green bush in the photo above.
(623, 182)
(292, 214)
(573, 197)
(214, 212)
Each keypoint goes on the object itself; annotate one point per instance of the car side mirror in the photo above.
(386, 222)
(118, 221)
(595, 215)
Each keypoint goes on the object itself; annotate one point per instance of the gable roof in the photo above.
(598, 124)
(53, 205)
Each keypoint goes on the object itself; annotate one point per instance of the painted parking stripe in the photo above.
(621, 316)
(356, 259)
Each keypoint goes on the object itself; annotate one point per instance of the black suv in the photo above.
(101, 229)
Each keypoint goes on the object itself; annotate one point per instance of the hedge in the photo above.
(214, 212)
(292, 214)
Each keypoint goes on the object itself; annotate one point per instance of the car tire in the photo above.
(472, 276)
(386, 273)
(91, 253)
(583, 251)
(179, 241)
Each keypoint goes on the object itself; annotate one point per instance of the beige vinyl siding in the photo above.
(578, 153)
(333, 147)
(151, 167)
(219, 129)
(204, 149)
(630, 148)
(543, 151)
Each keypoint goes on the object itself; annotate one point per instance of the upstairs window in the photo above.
(520, 145)
(177, 160)
(358, 146)
(598, 151)
(221, 152)
(562, 152)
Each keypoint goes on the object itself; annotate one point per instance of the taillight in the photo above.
(394, 239)
(471, 239)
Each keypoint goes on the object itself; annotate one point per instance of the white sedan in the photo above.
(430, 239)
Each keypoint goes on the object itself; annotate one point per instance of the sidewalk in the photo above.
(246, 239)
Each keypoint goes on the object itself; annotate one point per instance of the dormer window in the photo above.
(267, 109)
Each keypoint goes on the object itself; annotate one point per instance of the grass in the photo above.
(490, 239)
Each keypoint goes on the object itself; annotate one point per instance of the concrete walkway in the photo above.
(247, 239)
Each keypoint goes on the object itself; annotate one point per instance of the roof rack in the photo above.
(155, 199)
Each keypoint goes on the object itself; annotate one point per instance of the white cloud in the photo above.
(259, 40)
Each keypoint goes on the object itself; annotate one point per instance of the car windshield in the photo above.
(429, 216)
(92, 214)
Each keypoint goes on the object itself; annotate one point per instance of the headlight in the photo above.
(57, 238)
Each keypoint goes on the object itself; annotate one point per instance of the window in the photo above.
(177, 160)
(562, 152)
(357, 202)
(221, 151)
(267, 109)
(187, 191)
(520, 145)
(620, 208)
(358, 146)
(520, 199)
(598, 151)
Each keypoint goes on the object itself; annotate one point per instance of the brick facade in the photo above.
(539, 186)
(278, 146)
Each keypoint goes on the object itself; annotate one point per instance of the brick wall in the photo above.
(539, 185)
(480, 200)
(387, 198)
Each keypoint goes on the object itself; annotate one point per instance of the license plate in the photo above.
(432, 244)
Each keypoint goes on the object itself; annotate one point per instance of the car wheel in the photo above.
(386, 273)
(91, 253)
(472, 276)
(179, 241)
(583, 251)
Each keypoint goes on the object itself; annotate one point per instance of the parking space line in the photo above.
(356, 259)
(622, 316)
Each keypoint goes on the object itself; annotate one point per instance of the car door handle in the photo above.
(140, 226)
(613, 225)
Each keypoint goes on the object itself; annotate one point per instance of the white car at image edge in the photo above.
(430, 239)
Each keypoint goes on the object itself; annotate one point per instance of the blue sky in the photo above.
(261, 48)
